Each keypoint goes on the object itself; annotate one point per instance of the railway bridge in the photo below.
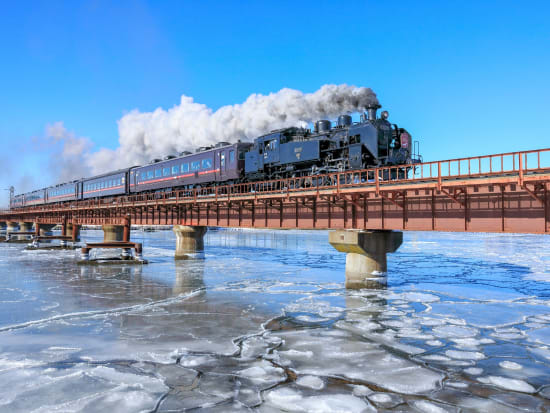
(366, 209)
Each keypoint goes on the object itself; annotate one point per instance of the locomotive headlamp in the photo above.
(385, 114)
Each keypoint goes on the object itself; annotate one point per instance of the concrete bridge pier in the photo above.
(11, 227)
(366, 262)
(25, 227)
(120, 233)
(188, 240)
(113, 233)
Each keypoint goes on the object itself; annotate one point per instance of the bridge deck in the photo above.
(494, 193)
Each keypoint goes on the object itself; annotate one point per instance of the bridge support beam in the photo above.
(73, 231)
(70, 230)
(366, 262)
(188, 240)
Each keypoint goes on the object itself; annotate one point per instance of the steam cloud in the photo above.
(147, 135)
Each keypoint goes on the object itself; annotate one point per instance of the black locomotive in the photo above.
(289, 152)
(292, 152)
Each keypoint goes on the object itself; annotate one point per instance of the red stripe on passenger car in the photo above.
(174, 177)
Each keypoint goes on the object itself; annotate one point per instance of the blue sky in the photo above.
(465, 78)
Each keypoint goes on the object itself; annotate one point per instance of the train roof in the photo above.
(109, 173)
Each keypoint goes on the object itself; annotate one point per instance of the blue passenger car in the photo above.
(224, 163)
(63, 192)
(113, 183)
(17, 201)
(37, 197)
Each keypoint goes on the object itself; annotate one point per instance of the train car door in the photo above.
(131, 185)
(222, 162)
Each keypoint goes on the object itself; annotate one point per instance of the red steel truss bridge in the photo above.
(508, 192)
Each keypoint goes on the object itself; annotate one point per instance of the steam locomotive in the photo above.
(282, 153)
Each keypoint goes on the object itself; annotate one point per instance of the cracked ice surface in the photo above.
(261, 322)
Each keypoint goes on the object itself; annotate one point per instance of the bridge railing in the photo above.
(512, 163)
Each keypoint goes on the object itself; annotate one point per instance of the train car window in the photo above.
(207, 163)
(150, 174)
(195, 166)
(231, 156)
(175, 170)
(165, 171)
(241, 155)
(143, 176)
(185, 167)
(222, 160)
(119, 181)
(158, 173)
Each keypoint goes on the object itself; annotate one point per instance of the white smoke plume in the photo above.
(71, 156)
(148, 135)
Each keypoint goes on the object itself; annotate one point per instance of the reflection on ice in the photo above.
(262, 322)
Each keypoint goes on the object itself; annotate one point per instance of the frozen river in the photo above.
(262, 322)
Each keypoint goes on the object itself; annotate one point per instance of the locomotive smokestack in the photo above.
(371, 110)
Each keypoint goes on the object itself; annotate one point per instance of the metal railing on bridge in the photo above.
(517, 164)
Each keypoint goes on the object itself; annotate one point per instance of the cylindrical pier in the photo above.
(25, 227)
(366, 262)
(188, 240)
(11, 227)
(113, 233)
